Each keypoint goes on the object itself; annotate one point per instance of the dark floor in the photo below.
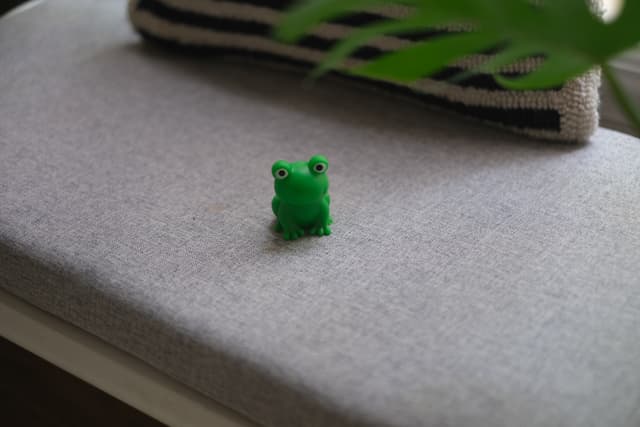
(34, 393)
(7, 5)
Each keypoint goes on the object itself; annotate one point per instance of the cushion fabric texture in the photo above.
(474, 278)
(245, 26)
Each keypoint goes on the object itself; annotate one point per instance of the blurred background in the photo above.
(627, 69)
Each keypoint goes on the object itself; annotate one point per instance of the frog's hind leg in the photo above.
(327, 199)
(321, 228)
(275, 205)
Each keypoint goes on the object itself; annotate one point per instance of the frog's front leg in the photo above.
(291, 229)
(324, 220)
(292, 232)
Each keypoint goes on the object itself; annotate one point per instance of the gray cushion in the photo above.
(473, 278)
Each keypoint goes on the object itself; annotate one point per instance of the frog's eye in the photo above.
(281, 173)
(320, 167)
(280, 169)
(318, 164)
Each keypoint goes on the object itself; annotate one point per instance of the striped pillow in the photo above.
(244, 26)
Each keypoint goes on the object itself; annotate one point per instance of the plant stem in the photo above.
(625, 103)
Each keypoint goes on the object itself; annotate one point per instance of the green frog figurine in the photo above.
(301, 203)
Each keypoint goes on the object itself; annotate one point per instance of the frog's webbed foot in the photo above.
(293, 234)
(278, 228)
(320, 231)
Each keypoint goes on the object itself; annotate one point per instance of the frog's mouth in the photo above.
(305, 200)
(297, 190)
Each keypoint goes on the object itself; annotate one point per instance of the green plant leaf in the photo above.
(508, 56)
(552, 25)
(625, 31)
(494, 65)
(571, 39)
(359, 37)
(424, 58)
(554, 71)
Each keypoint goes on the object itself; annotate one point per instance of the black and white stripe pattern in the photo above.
(245, 26)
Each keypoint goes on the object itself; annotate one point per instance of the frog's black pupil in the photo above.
(281, 173)
(319, 168)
